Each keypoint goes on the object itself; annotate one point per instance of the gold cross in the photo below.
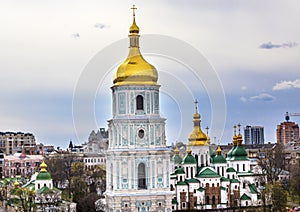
(133, 9)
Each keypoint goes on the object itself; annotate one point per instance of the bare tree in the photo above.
(273, 163)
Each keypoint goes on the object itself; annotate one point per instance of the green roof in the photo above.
(239, 153)
(181, 183)
(179, 171)
(219, 159)
(44, 190)
(245, 197)
(189, 159)
(192, 180)
(201, 189)
(234, 181)
(177, 159)
(223, 188)
(174, 201)
(229, 154)
(208, 173)
(253, 188)
(43, 176)
(230, 169)
(224, 179)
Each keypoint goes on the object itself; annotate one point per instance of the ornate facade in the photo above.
(205, 179)
(138, 161)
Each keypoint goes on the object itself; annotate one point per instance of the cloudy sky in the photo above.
(253, 47)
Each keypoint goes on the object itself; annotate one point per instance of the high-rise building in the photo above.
(254, 135)
(13, 142)
(286, 132)
(138, 161)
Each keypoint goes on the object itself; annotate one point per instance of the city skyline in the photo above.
(252, 46)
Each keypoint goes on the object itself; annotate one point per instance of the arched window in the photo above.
(196, 157)
(207, 200)
(139, 102)
(213, 200)
(142, 176)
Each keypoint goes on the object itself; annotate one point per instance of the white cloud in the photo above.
(76, 35)
(283, 85)
(243, 99)
(270, 45)
(101, 26)
(265, 97)
(244, 88)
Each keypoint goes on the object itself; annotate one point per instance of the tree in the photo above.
(295, 181)
(279, 197)
(78, 183)
(87, 203)
(273, 163)
(23, 198)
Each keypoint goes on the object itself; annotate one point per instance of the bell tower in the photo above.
(138, 161)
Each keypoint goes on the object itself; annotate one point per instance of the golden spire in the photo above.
(134, 29)
(43, 166)
(197, 137)
(239, 136)
(234, 140)
(219, 150)
(176, 150)
(135, 70)
(189, 151)
(208, 138)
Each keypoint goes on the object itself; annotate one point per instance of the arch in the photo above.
(142, 176)
(140, 102)
(213, 200)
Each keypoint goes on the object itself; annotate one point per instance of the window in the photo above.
(244, 167)
(213, 200)
(141, 133)
(142, 176)
(139, 102)
(183, 205)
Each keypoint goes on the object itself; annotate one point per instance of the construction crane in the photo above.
(287, 115)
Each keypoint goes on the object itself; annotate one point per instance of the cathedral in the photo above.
(138, 161)
(205, 179)
(141, 175)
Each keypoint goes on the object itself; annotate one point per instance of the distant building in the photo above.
(21, 164)
(13, 142)
(254, 135)
(287, 132)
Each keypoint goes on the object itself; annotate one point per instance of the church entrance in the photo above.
(142, 176)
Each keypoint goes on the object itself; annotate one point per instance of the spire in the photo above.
(176, 150)
(234, 140)
(189, 151)
(197, 137)
(239, 136)
(219, 150)
(134, 29)
(135, 69)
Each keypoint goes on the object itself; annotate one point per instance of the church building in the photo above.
(138, 162)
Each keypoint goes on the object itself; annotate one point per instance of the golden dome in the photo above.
(16, 184)
(43, 167)
(197, 137)
(135, 69)
(219, 150)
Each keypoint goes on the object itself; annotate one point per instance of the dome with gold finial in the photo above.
(219, 157)
(234, 141)
(176, 158)
(135, 69)
(43, 174)
(189, 158)
(197, 137)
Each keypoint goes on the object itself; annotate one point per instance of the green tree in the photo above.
(78, 183)
(279, 197)
(23, 198)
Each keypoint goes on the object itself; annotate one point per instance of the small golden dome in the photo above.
(219, 150)
(176, 150)
(197, 137)
(189, 150)
(43, 167)
(16, 184)
(135, 69)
